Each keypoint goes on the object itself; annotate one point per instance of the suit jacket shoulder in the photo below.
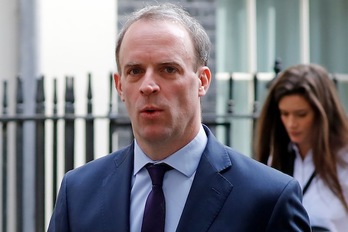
(96, 196)
(233, 192)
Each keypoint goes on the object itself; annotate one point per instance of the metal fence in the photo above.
(118, 124)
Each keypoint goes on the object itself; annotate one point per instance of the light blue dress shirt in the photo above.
(176, 184)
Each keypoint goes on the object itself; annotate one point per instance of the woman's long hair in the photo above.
(330, 133)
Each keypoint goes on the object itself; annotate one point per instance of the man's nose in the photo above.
(149, 85)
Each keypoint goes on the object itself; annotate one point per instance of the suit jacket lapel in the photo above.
(116, 192)
(209, 189)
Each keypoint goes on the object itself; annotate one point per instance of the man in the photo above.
(161, 57)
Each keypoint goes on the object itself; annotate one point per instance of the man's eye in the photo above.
(170, 70)
(134, 71)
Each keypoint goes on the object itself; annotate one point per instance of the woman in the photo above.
(303, 131)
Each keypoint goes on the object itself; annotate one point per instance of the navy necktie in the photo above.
(155, 208)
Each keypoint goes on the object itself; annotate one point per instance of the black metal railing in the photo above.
(118, 123)
(43, 123)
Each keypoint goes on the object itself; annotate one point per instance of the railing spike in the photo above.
(69, 95)
(277, 66)
(72, 90)
(19, 95)
(5, 99)
(89, 88)
(66, 89)
(40, 92)
(40, 95)
(69, 89)
(55, 97)
(89, 95)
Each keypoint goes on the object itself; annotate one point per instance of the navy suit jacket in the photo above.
(230, 192)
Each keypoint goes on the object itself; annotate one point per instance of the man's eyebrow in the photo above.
(170, 63)
(132, 64)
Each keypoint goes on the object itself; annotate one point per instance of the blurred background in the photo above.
(59, 108)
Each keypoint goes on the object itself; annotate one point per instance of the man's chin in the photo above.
(154, 134)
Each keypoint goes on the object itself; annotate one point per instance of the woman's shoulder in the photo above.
(342, 157)
(342, 168)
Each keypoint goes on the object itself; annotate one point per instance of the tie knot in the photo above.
(156, 172)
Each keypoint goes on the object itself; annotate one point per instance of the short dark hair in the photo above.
(172, 12)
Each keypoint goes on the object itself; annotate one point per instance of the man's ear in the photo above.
(205, 80)
(118, 85)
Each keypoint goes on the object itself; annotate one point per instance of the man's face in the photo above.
(159, 84)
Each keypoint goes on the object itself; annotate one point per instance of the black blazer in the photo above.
(230, 192)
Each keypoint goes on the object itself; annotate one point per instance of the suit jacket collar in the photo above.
(209, 184)
(209, 189)
(116, 192)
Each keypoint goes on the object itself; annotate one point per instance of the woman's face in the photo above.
(298, 119)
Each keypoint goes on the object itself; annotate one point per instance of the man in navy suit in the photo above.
(161, 55)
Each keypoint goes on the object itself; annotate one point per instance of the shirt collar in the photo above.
(184, 160)
(308, 157)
